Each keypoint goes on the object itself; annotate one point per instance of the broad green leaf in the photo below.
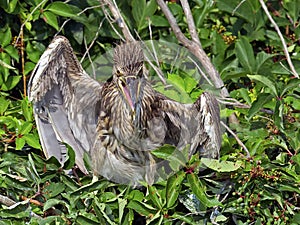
(293, 83)
(32, 140)
(51, 19)
(122, 204)
(173, 188)
(266, 81)
(159, 21)
(141, 10)
(155, 197)
(258, 104)
(11, 82)
(26, 110)
(60, 9)
(141, 208)
(54, 189)
(4, 103)
(245, 54)
(221, 166)
(20, 142)
(25, 128)
(52, 202)
(70, 161)
(138, 8)
(13, 52)
(183, 217)
(5, 37)
(102, 208)
(261, 58)
(199, 191)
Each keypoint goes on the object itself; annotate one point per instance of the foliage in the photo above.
(245, 49)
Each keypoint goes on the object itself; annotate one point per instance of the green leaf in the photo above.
(32, 140)
(5, 37)
(4, 103)
(52, 202)
(70, 161)
(20, 142)
(173, 188)
(141, 11)
(261, 58)
(261, 100)
(25, 128)
(245, 54)
(266, 81)
(293, 83)
(159, 21)
(199, 191)
(155, 197)
(141, 208)
(11, 82)
(221, 166)
(13, 52)
(60, 9)
(51, 19)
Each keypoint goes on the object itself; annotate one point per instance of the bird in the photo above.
(117, 122)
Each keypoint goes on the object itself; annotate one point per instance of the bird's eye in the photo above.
(118, 73)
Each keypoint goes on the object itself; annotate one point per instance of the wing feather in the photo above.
(197, 125)
(64, 99)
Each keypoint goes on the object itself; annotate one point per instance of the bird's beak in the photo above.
(131, 92)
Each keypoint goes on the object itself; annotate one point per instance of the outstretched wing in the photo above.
(64, 99)
(197, 125)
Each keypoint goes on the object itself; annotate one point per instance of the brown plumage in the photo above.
(117, 122)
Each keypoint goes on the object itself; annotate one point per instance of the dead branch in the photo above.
(194, 45)
(119, 19)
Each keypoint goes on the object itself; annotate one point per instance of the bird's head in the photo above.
(128, 73)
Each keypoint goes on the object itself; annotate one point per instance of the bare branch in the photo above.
(119, 19)
(193, 46)
(156, 68)
(286, 52)
(236, 138)
(190, 21)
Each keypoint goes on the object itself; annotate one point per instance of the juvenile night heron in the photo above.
(117, 122)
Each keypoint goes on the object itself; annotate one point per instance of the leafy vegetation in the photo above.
(246, 50)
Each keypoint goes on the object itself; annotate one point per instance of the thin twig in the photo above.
(238, 6)
(110, 20)
(158, 71)
(27, 19)
(89, 57)
(236, 138)
(286, 52)
(201, 71)
(90, 46)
